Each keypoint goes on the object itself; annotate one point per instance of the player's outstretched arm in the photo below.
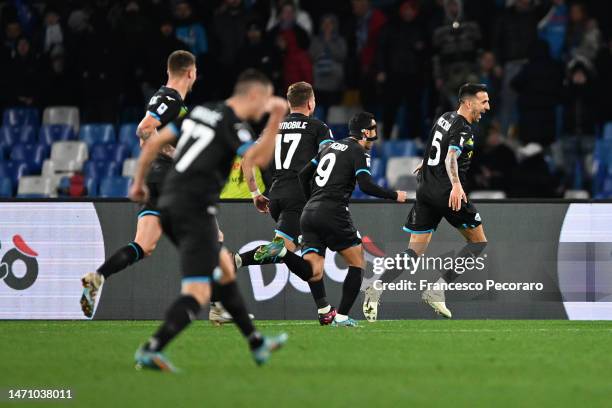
(148, 153)
(259, 200)
(452, 169)
(305, 177)
(368, 186)
(261, 153)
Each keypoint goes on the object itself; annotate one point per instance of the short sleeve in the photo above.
(457, 137)
(361, 161)
(324, 136)
(164, 108)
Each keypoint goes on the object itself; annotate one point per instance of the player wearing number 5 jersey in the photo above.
(329, 180)
(440, 194)
(299, 139)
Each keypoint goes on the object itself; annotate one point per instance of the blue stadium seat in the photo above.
(14, 170)
(114, 187)
(100, 169)
(6, 187)
(20, 117)
(127, 135)
(135, 151)
(64, 186)
(98, 152)
(607, 131)
(33, 154)
(10, 135)
(378, 167)
(117, 152)
(97, 133)
(398, 148)
(48, 134)
(91, 184)
(3, 152)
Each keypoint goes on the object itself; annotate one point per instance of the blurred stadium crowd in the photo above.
(547, 63)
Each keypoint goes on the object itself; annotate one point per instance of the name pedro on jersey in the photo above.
(489, 284)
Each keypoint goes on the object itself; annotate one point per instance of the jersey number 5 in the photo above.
(435, 143)
(294, 139)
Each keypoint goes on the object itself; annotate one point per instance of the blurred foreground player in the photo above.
(328, 181)
(440, 194)
(207, 142)
(165, 106)
(299, 139)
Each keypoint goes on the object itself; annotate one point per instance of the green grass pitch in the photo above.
(413, 363)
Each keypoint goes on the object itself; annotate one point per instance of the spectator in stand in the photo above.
(53, 34)
(538, 85)
(229, 29)
(59, 85)
(25, 73)
(302, 18)
(12, 32)
(552, 28)
(455, 46)
(580, 115)
(293, 42)
(189, 30)
(328, 53)
(583, 35)
(532, 177)
(259, 54)
(401, 54)
(492, 165)
(604, 68)
(165, 43)
(491, 75)
(515, 33)
(363, 31)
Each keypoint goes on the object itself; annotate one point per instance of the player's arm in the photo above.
(368, 186)
(259, 200)
(147, 128)
(149, 150)
(452, 169)
(305, 177)
(261, 152)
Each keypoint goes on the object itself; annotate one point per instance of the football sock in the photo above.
(248, 258)
(298, 265)
(390, 275)
(234, 304)
(350, 289)
(324, 310)
(214, 292)
(317, 290)
(471, 250)
(121, 259)
(178, 317)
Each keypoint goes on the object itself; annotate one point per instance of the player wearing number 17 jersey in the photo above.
(440, 194)
(300, 137)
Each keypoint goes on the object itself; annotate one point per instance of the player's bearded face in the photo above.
(479, 105)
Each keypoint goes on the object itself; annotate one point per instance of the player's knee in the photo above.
(200, 291)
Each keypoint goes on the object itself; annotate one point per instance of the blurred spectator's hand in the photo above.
(381, 77)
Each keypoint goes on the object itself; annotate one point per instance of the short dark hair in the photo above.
(469, 90)
(299, 94)
(249, 78)
(180, 61)
(359, 122)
